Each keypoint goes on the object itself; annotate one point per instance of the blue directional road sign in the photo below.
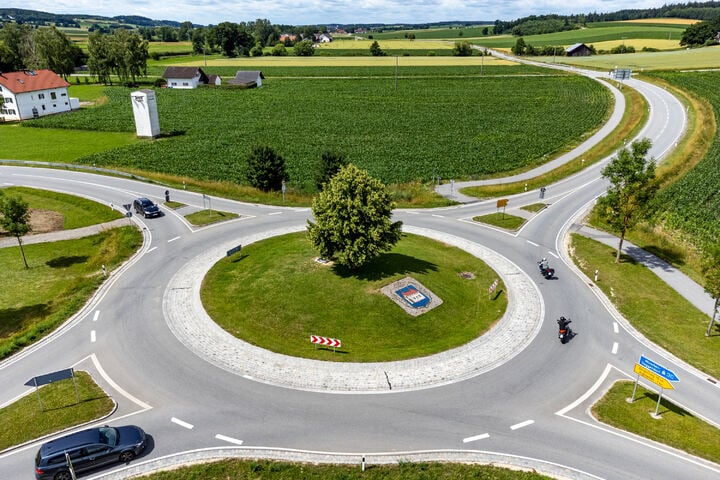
(659, 369)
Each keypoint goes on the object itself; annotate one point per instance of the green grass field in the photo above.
(276, 295)
(446, 126)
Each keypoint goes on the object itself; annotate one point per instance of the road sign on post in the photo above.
(502, 203)
(658, 369)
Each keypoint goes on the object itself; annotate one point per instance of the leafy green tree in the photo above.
(304, 49)
(330, 164)
(632, 186)
(279, 50)
(257, 50)
(265, 169)
(711, 274)
(17, 46)
(352, 219)
(375, 50)
(100, 63)
(700, 33)
(15, 219)
(519, 47)
(462, 49)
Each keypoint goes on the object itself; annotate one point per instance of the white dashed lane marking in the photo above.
(189, 426)
(522, 424)
(229, 439)
(476, 437)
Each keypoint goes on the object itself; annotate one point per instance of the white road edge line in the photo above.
(275, 213)
(173, 239)
(115, 385)
(590, 391)
(476, 437)
(532, 243)
(92, 336)
(522, 424)
(189, 426)
(229, 439)
(615, 348)
(553, 254)
(96, 316)
(438, 216)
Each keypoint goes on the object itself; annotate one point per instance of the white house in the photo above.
(33, 94)
(185, 77)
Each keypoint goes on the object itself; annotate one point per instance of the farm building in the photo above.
(578, 50)
(185, 77)
(214, 80)
(33, 94)
(247, 78)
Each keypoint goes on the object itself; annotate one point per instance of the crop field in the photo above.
(638, 44)
(435, 33)
(450, 126)
(364, 44)
(692, 204)
(594, 33)
(662, 21)
(353, 61)
(693, 59)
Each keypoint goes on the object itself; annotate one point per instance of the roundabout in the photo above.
(187, 319)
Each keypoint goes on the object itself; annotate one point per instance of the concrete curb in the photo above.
(301, 456)
(190, 323)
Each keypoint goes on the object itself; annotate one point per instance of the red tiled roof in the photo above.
(31, 81)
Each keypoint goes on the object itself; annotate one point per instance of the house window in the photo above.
(41, 96)
(8, 100)
(185, 84)
(43, 107)
(53, 95)
(63, 94)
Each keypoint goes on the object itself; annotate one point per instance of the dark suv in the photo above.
(146, 207)
(88, 449)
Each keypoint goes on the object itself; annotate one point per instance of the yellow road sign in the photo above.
(653, 377)
(502, 202)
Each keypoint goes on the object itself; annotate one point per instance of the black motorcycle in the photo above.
(564, 331)
(545, 269)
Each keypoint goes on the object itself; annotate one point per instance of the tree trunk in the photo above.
(619, 250)
(712, 319)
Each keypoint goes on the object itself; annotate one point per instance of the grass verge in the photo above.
(677, 427)
(275, 295)
(502, 220)
(268, 470)
(61, 278)
(77, 211)
(58, 408)
(654, 308)
(206, 217)
(634, 118)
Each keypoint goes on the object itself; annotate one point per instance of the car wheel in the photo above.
(63, 475)
(125, 457)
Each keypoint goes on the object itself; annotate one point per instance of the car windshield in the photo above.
(108, 436)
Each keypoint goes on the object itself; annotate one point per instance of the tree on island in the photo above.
(15, 219)
(352, 219)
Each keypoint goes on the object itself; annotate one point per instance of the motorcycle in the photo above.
(545, 269)
(564, 331)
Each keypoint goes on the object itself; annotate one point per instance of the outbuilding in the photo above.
(247, 78)
(578, 50)
(32, 94)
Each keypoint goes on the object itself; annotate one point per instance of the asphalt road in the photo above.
(531, 410)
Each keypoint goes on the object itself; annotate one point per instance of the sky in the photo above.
(313, 12)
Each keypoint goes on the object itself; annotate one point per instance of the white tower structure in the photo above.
(145, 111)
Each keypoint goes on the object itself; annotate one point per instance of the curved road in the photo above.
(530, 409)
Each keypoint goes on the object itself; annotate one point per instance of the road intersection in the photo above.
(515, 397)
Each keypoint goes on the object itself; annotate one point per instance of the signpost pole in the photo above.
(657, 407)
(637, 380)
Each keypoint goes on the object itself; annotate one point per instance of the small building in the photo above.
(185, 77)
(32, 94)
(323, 38)
(214, 80)
(247, 78)
(287, 37)
(578, 50)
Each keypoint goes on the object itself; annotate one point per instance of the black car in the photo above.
(88, 449)
(144, 206)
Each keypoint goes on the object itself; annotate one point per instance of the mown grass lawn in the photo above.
(58, 144)
(61, 277)
(275, 295)
(206, 217)
(53, 408)
(76, 211)
(502, 220)
(676, 427)
(651, 305)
